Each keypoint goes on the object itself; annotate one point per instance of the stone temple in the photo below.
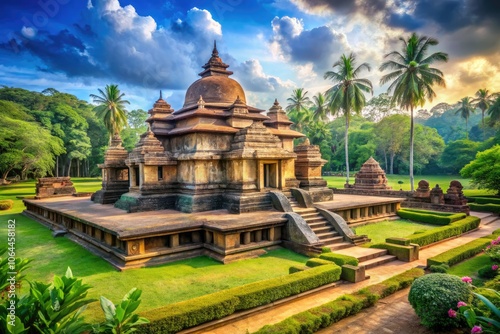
(216, 152)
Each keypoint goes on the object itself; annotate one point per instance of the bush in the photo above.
(6, 204)
(296, 269)
(175, 317)
(431, 297)
(431, 217)
(439, 268)
(326, 250)
(488, 271)
(444, 232)
(495, 208)
(340, 259)
(460, 253)
(487, 200)
(317, 262)
(322, 316)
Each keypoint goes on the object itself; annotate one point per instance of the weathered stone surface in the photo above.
(454, 194)
(371, 176)
(436, 195)
(423, 190)
(54, 186)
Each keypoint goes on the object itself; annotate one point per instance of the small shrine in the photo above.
(47, 187)
(371, 177)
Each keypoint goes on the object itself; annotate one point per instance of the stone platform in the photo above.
(130, 240)
(357, 209)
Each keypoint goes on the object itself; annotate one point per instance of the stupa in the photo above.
(371, 177)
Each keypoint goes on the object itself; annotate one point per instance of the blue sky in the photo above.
(272, 46)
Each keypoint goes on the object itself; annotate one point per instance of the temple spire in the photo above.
(161, 98)
(215, 52)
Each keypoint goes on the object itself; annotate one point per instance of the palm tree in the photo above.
(111, 108)
(347, 93)
(483, 101)
(320, 107)
(494, 110)
(465, 109)
(298, 104)
(412, 77)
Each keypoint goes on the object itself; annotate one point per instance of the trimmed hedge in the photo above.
(296, 269)
(487, 200)
(444, 232)
(317, 262)
(340, 259)
(495, 208)
(6, 204)
(437, 213)
(323, 316)
(430, 217)
(458, 254)
(175, 317)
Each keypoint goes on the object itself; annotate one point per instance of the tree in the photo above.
(494, 111)
(379, 107)
(465, 109)
(457, 154)
(347, 93)
(111, 108)
(320, 107)
(482, 170)
(483, 101)
(391, 132)
(136, 126)
(412, 78)
(298, 104)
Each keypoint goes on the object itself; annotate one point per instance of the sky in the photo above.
(272, 46)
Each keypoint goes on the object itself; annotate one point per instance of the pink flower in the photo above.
(460, 304)
(494, 267)
(476, 329)
(452, 313)
(467, 279)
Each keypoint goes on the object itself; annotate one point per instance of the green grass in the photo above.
(392, 180)
(470, 268)
(161, 285)
(400, 228)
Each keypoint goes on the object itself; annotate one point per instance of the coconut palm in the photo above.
(298, 104)
(111, 108)
(412, 77)
(347, 93)
(483, 101)
(465, 108)
(320, 107)
(494, 110)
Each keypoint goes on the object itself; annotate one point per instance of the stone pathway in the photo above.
(390, 315)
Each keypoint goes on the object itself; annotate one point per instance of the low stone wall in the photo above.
(54, 187)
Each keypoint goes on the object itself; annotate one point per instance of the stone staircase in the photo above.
(320, 226)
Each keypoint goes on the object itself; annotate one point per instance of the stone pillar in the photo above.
(436, 195)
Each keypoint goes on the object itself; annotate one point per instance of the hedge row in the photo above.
(340, 259)
(440, 233)
(323, 316)
(430, 217)
(463, 252)
(175, 317)
(437, 213)
(487, 200)
(495, 208)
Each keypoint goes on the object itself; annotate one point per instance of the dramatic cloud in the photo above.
(252, 77)
(320, 46)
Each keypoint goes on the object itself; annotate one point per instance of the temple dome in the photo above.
(215, 86)
(214, 89)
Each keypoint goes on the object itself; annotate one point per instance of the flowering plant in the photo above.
(477, 322)
(493, 250)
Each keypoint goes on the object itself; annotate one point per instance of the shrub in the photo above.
(431, 217)
(439, 268)
(444, 232)
(6, 204)
(493, 284)
(495, 208)
(458, 254)
(326, 250)
(489, 271)
(296, 269)
(487, 200)
(493, 250)
(431, 297)
(340, 259)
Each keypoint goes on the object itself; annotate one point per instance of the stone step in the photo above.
(375, 254)
(319, 224)
(326, 235)
(333, 240)
(315, 220)
(490, 219)
(311, 214)
(301, 211)
(378, 261)
(340, 245)
(323, 229)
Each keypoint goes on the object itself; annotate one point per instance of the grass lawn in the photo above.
(400, 228)
(442, 180)
(470, 268)
(161, 285)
